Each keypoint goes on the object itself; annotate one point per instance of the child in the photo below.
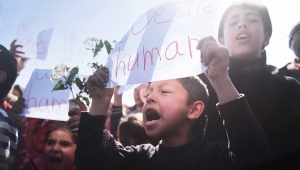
(293, 69)
(131, 131)
(245, 29)
(60, 145)
(8, 129)
(172, 111)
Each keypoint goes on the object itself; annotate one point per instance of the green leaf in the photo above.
(108, 46)
(79, 83)
(72, 75)
(87, 101)
(59, 86)
(98, 48)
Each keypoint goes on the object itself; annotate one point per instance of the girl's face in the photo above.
(59, 150)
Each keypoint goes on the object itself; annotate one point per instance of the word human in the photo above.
(171, 52)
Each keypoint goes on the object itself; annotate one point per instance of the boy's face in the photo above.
(244, 34)
(165, 109)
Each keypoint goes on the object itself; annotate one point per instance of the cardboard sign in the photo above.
(162, 44)
(41, 102)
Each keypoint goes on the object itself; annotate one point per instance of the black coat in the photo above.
(274, 100)
(247, 146)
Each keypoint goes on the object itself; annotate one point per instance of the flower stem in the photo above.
(72, 92)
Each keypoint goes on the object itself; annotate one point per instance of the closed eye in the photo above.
(232, 23)
(165, 91)
(252, 20)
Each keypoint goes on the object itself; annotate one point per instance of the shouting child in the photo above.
(172, 112)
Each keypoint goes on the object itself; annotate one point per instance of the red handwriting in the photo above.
(156, 15)
(45, 76)
(151, 55)
(42, 104)
(185, 9)
(195, 9)
(173, 48)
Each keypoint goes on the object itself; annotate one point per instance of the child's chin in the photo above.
(152, 134)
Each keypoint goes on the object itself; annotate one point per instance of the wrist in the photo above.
(99, 107)
(220, 81)
(225, 89)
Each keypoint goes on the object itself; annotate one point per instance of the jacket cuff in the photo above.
(88, 121)
(227, 109)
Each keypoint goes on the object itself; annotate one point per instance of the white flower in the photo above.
(91, 42)
(59, 72)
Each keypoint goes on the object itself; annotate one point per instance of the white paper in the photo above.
(41, 102)
(162, 44)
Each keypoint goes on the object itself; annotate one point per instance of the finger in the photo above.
(74, 112)
(17, 46)
(19, 52)
(21, 101)
(101, 77)
(13, 43)
(92, 80)
(74, 125)
(201, 42)
(205, 51)
(73, 119)
(215, 51)
(16, 109)
(105, 74)
(80, 104)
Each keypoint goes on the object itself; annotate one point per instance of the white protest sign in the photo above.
(41, 102)
(162, 44)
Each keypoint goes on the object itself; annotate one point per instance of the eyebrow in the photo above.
(247, 14)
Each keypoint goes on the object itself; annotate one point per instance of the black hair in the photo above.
(132, 131)
(8, 64)
(294, 30)
(261, 9)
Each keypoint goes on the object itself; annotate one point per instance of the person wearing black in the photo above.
(292, 69)
(274, 100)
(173, 110)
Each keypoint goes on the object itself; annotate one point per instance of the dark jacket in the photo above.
(285, 72)
(274, 100)
(247, 145)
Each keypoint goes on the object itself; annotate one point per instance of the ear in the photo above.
(196, 110)
(267, 35)
(2, 76)
(221, 40)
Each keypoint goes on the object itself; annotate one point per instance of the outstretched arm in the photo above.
(246, 137)
(90, 152)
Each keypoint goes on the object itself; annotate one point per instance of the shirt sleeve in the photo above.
(8, 140)
(92, 154)
(247, 142)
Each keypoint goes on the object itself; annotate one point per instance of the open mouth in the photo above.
(152, 116)
(55, 161)
(242, 37)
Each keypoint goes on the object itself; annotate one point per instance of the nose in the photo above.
(242, 24)
(56, 147)
(150, 98)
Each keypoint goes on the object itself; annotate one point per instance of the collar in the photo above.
(171, 151)
(247, 64)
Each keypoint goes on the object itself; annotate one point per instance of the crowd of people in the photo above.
(238, 114)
